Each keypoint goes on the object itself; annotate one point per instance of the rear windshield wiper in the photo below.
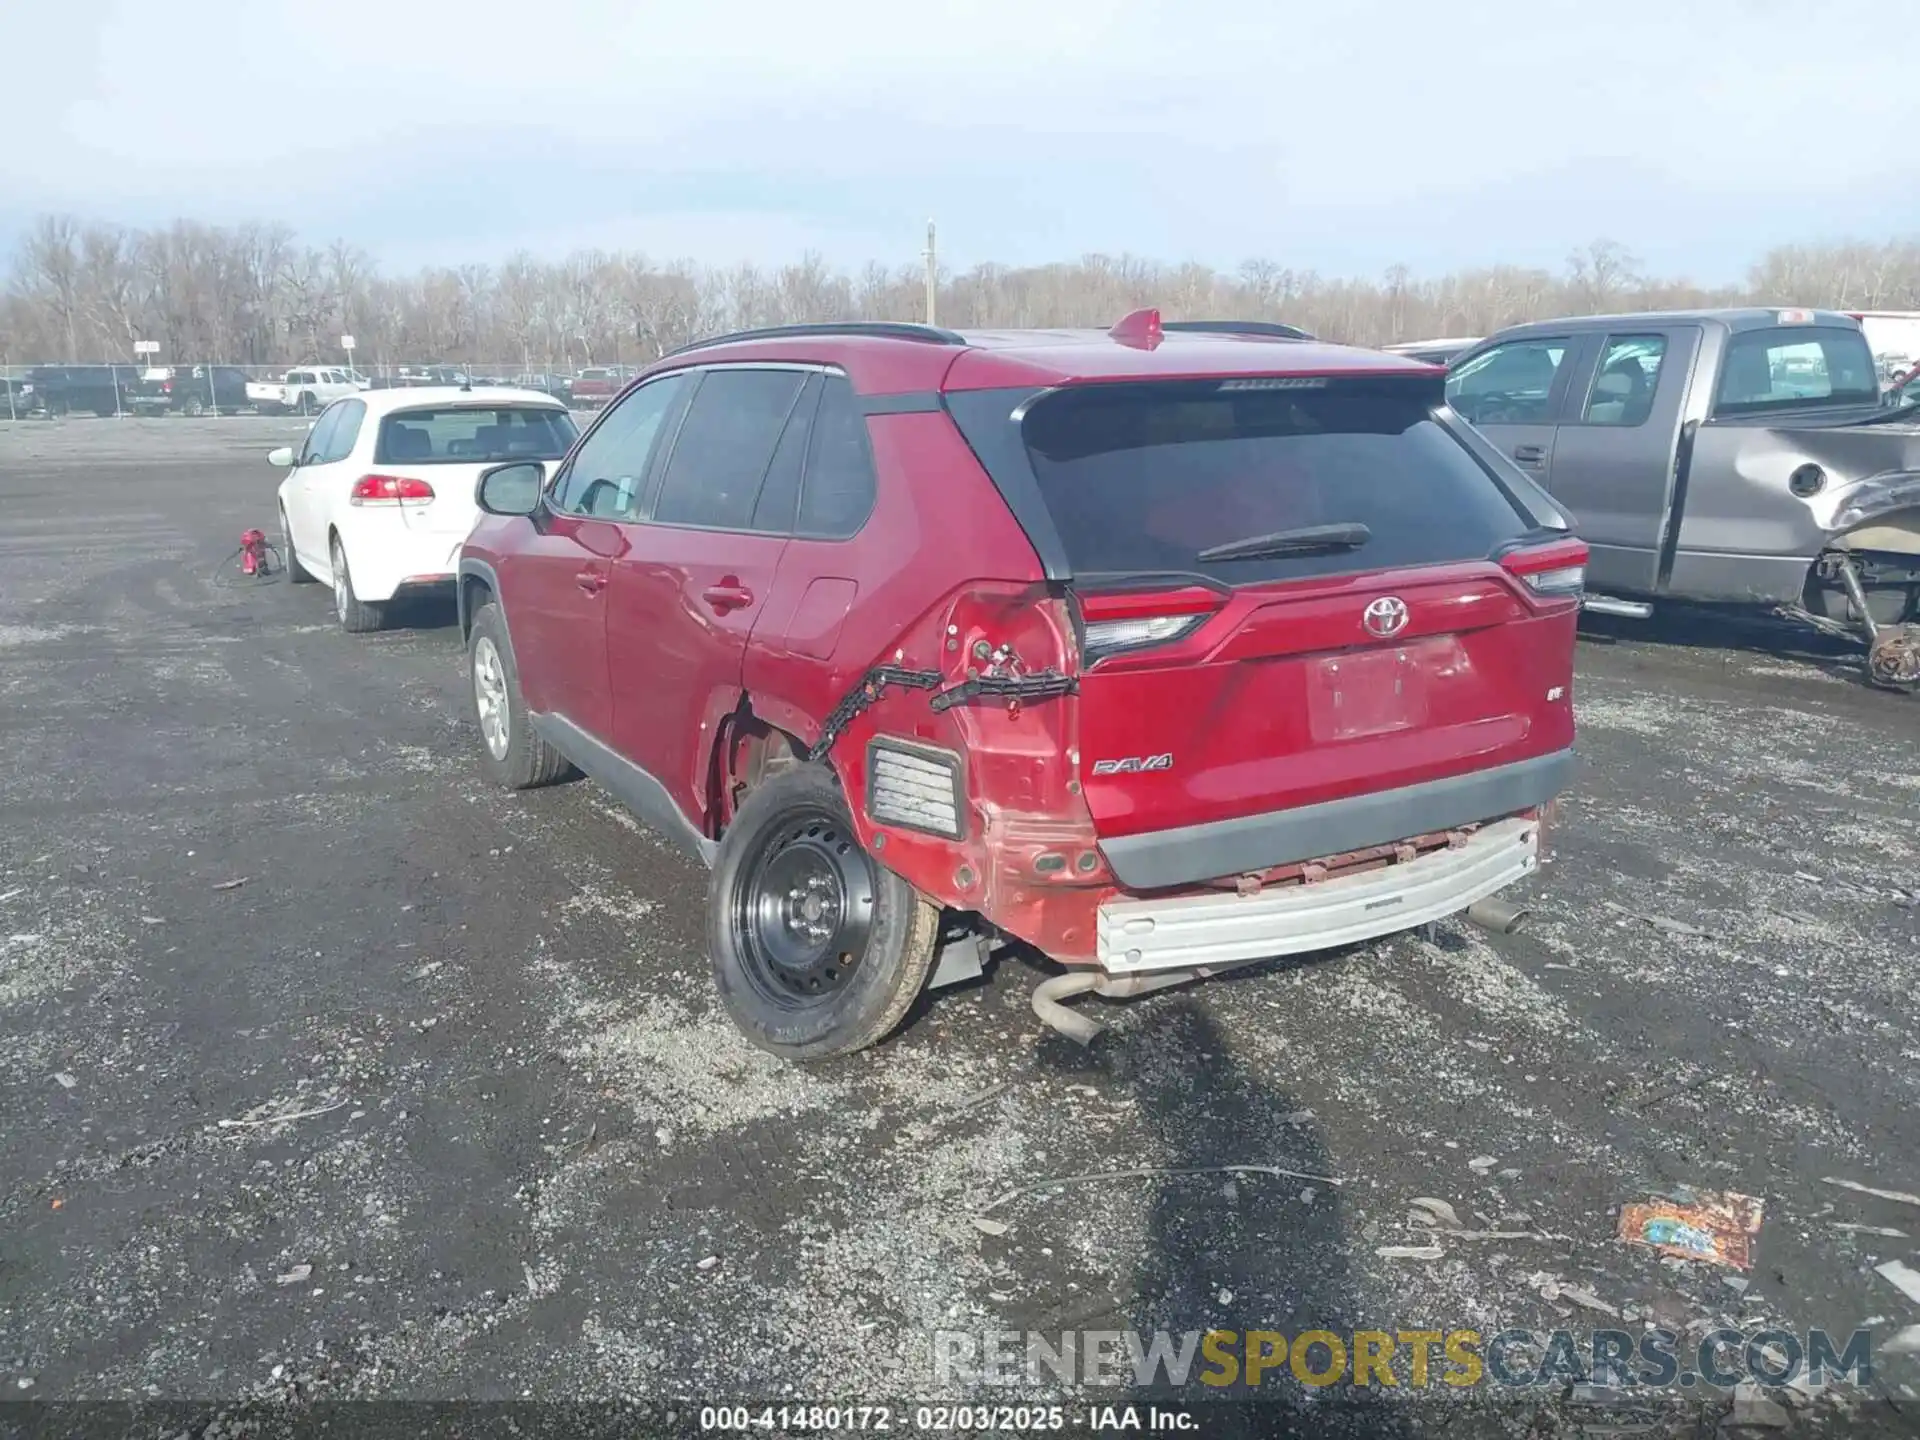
(1307, 540)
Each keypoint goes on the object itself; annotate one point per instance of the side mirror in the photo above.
(281, 458)
(511, 489)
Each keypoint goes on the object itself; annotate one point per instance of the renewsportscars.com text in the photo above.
(1407, 1359)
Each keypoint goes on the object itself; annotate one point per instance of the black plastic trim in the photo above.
(1262, 329)
(871, 329)
(487, 573)
(985, 419)
(1160, 859)
(631, 785)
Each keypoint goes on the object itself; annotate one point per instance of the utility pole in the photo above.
(933, 274)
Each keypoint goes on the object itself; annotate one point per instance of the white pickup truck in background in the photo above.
(308, 390)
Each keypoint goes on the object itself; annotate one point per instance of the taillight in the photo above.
(1556, 567)
(1124, 621)
(389, 490)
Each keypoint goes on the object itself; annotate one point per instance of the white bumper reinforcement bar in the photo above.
(1198, 931)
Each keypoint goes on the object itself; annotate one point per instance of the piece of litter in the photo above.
(283, 1119)
(1152, 1172)
(1658, 922)
(708, 1263)
(233, 884)
(25, 1382)
(1226, 1297)
(1735, 1283)
(533, 1286)
(988, 1227)
(1752, 1407)
(1906, 1342)
(1848, 1228)
(1898, 1196)
(11, 894)
(151, 920)
(1481, 1164)
(1428, 1211)
(426, 970)
(1717, 1226)
(1409, 1252)
(1586, 1298)
(66, 1080)
(1902, 1276)
(295, 1275)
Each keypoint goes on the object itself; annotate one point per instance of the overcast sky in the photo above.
(1342, 135)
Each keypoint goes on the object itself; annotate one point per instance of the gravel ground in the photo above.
(248, 869)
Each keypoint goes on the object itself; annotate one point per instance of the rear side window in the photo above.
(1147, 477)
(346, 429)
(1790, 367)
(1625, 383)
(474, 435)
(840, 487)
(725, 447)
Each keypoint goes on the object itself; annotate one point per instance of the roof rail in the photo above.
(875, 329)
(1269, 329)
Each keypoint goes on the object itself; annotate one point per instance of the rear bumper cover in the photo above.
(1165, 859)
(1197, 931)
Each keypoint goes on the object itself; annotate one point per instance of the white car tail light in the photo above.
(916, 787)
(389, 490)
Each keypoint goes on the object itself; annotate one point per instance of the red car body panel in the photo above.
(1278, 699)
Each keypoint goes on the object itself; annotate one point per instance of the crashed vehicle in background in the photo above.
(1729, 458)
(1162, 649)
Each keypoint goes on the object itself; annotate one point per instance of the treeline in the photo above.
(253, 294)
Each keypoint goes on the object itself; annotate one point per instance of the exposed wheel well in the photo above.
(746, 753)
(474, 592)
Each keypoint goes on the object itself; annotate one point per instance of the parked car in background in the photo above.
(1737, 458)
(310, 389)
(18, 400)
(1161, 650)
(73, 389)
(595, 386)
(1434, 352)
(190, 390)
(1905, 390)
(558, 386)
(380, 493)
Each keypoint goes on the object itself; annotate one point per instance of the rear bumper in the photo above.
(1197, 931)
(1167, 859)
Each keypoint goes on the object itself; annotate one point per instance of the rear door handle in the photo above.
(728, 595)
(1530, 454)
(591, 581)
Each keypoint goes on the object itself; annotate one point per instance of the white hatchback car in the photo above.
(379, 497)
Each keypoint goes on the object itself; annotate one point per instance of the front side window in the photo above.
(1511, 384)
(609, 471)
(1795, 367)
(1623, 386)
(320, 438)
(725, 447)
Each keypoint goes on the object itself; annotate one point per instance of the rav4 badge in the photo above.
(1133, 764)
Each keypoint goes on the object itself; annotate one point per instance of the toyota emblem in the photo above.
(1385, 617)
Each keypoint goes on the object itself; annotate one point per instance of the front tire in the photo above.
(355, 615)
(817, 950)
(511, 754)
(297, 574)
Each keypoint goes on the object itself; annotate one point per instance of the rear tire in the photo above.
(309, 406)
(355, 615)
(817, 950)
(511, 753)
(193, 409)
(297, 574)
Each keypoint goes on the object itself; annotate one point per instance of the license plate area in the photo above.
(1372, 692)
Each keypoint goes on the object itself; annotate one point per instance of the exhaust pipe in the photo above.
(1496, 915)
(1608, 605)
(1083, 1029)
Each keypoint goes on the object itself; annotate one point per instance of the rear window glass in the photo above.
(474, 435)
(1145, 477)
(1791, 367)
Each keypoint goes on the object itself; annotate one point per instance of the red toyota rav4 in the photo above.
(1162, 649)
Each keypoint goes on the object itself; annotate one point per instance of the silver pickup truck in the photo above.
(1724, 457)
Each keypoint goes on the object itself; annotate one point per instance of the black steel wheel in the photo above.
(817, 950)
(803, 914)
